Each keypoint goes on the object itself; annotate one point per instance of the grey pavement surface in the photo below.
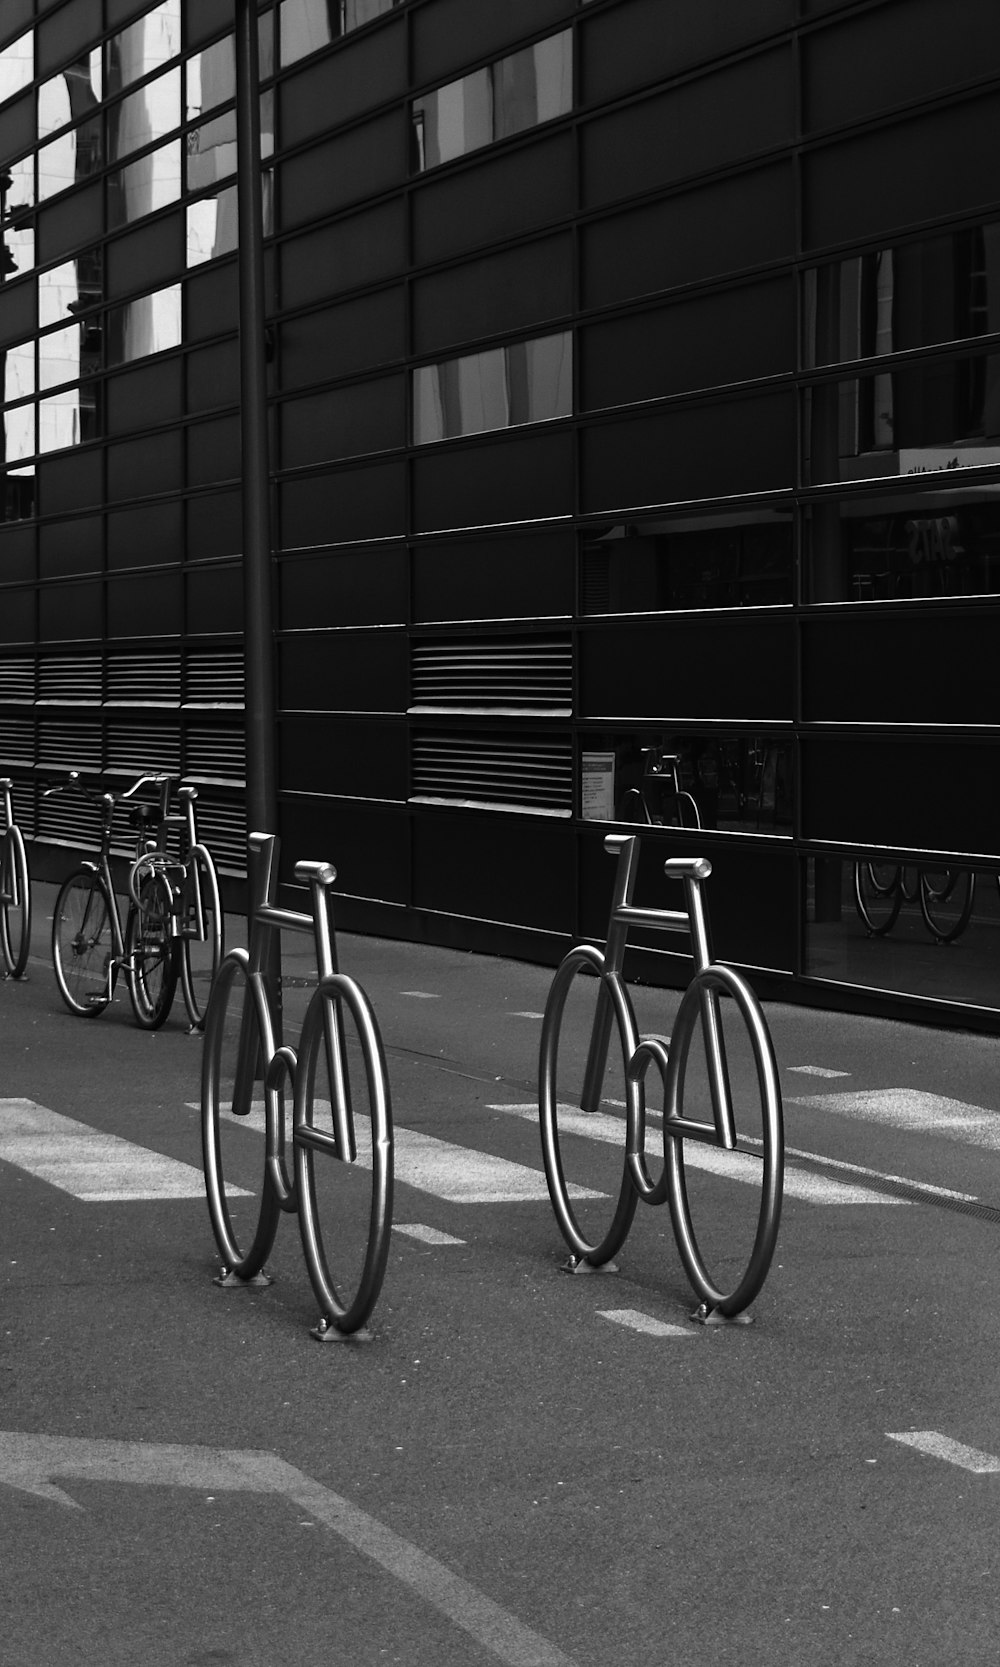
(503, 1473)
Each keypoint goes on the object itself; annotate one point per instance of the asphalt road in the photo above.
(504, 1473)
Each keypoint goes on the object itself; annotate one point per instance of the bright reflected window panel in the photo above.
(67, 419)
(211, 78)
(309, 25)
(59, 357)
(17, 218)
(515, 93)
(17, 66)
(144, 186)
(58, 293)
(145, 46)
(213, 222)
(19, 433)
(503, 387)
(145, 116)
(74, 92)
(149, 324)
(211, 148)
(18, 371)
(74, 156)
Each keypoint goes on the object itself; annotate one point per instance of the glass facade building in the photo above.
(634, 395)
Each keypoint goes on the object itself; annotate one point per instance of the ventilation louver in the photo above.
(498, 674)
(528, 772)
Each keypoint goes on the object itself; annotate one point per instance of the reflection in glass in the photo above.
(17, 231)
(145, 116)
(213, 222)
(718, 561)
(18, 370)
(911, 295)
(17, 66)
(68, 418)
(59, 357)
(144, 186)
(879, 921)
(944, 543)
(74, 93)
(75, 155)
(150, 324)
(18, 438)
(527, 382)
(307, 25)
(211, 148)
(17, 493)
(733, 783)
(211, 78)
(144, 46)
(506, 97)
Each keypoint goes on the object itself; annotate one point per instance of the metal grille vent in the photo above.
(144, 679)
(17, 679)
(66, 745)
(17, 740)
(595, 580)
(215, 753)
(223, 828)
(534, 772)
(73, 679)
(70, 820)
(135, 748)
(215, 678)
(512, 674)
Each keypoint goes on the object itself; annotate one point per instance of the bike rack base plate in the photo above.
(230, 1281)
(326, 1333)
(579, 1264)
(703, 1315)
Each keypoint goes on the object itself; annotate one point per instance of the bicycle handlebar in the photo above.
(76, 784)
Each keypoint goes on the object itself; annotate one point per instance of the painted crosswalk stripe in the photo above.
(938, 1446)
(730, 1166)
(95, 1167)
(421, 995)
(426, 1235)
(635, 1320)
(913, 1109)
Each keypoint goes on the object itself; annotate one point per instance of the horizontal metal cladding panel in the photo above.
(17, 677)
(344, 170)
(146, 605)
(71, 613)
(149, 536)
(71, 481)
(214, 677)
(351, 758)
(642, 41)
(727, 226)
(493, 671)
(521, 769)
(212, 451)
(343, 505)
(511, 290)
(693, 667)
(691, 451)
(70, 743)
(153, 464)
(140, 747)
(222, 826)
(17, 616)
(17, 553)
(134, 679)
(690, 129)
(215, 750)
(357, 335)
(212, 376)
(359, 249)
(452, 34)
(214, 526)
(494, 868)
(493, 578)
(493, 199)
(71, 222)
(366, 586)
(751, 896)
(17, 739)
(211, 302)
(855, 69)
(213, 599)
(19, 313)
(73, 546)
(921, 668)
(146, 258)
(368, 846)
(937, 164)
(920, 793)
(344, 422)
(70, 677)
(509, 477)
(731, 336)
(365, 72)
(343, 671)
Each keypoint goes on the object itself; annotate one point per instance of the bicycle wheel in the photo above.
(151, 952)
(239, 1038)
(878, 895)
(201, 908)
(344, 1196)
(15, 902)
(581, 1094)
(83, 944)
(946, 899)
(737, 1194)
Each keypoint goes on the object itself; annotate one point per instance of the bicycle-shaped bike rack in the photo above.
(750, 1124)
(945, 895)
(15, 891)
(341, 1113)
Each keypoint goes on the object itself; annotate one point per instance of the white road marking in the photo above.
(635, 1320)
(527, 1015)
(938, 1446)
(816, 1071)
(426, 1235)
(731, 1166)
(421, 995)
(95, 1167)
(29, 1462)
(912, 1108)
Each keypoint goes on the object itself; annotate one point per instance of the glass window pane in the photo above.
(515, 93)
(150, 114)
(70, 158)
(144, 186)
(19, 371)
(308, 25)
(741, 560)
(504, 386)
(75, 92)
(211, 78)
(67, 419)
(17, 199)
(211, 151)
(19, 433)
(213, 222)
(914, 544)
(150, 324)
(17, 66)
(732, 783)
(144, 46)
(59, 357)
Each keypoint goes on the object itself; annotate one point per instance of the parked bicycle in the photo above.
(745, 1127)
(341, 1117)
(197, 921)
(15, 890)
(659, 799)
(90, 947)
(945, 895)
